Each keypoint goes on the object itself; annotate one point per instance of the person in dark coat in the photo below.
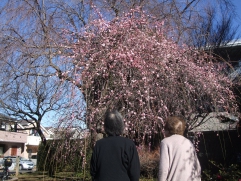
(114, 158)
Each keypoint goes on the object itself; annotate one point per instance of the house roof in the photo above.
(22, 123)
(216, 122)
(230, 52)
(26, 123)
(74, 132)
(6, 118)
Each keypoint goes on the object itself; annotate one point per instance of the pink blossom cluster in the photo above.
(131, 64)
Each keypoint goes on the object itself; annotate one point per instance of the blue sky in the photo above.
(237, 3)
(50, 116)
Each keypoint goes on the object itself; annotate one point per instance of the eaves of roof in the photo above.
(212, 122)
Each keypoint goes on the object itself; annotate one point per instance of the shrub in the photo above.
(66, 156)
(220, 172)
(149, 161)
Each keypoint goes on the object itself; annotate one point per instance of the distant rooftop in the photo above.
(216, 122)
(232, 43)
(6, 118)
(230, 52)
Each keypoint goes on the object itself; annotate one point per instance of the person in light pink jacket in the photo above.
(178, 159)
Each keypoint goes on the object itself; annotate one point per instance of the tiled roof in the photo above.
(216, 122)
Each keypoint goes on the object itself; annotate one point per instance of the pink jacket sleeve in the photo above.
(164, 163)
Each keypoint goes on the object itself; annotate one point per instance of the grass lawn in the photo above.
(61, 176)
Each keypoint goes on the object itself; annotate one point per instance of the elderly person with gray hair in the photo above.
(114, 158)
(178, 159)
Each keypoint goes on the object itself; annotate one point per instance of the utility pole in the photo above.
(17, 165)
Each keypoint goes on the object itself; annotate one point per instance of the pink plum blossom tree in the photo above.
(133, 65)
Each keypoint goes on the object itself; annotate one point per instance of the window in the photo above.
(33, 132)
(1, 151)
(2, 125)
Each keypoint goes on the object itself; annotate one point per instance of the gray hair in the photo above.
(113, 123)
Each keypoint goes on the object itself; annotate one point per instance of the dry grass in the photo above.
(146, 179)
(149, 161)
